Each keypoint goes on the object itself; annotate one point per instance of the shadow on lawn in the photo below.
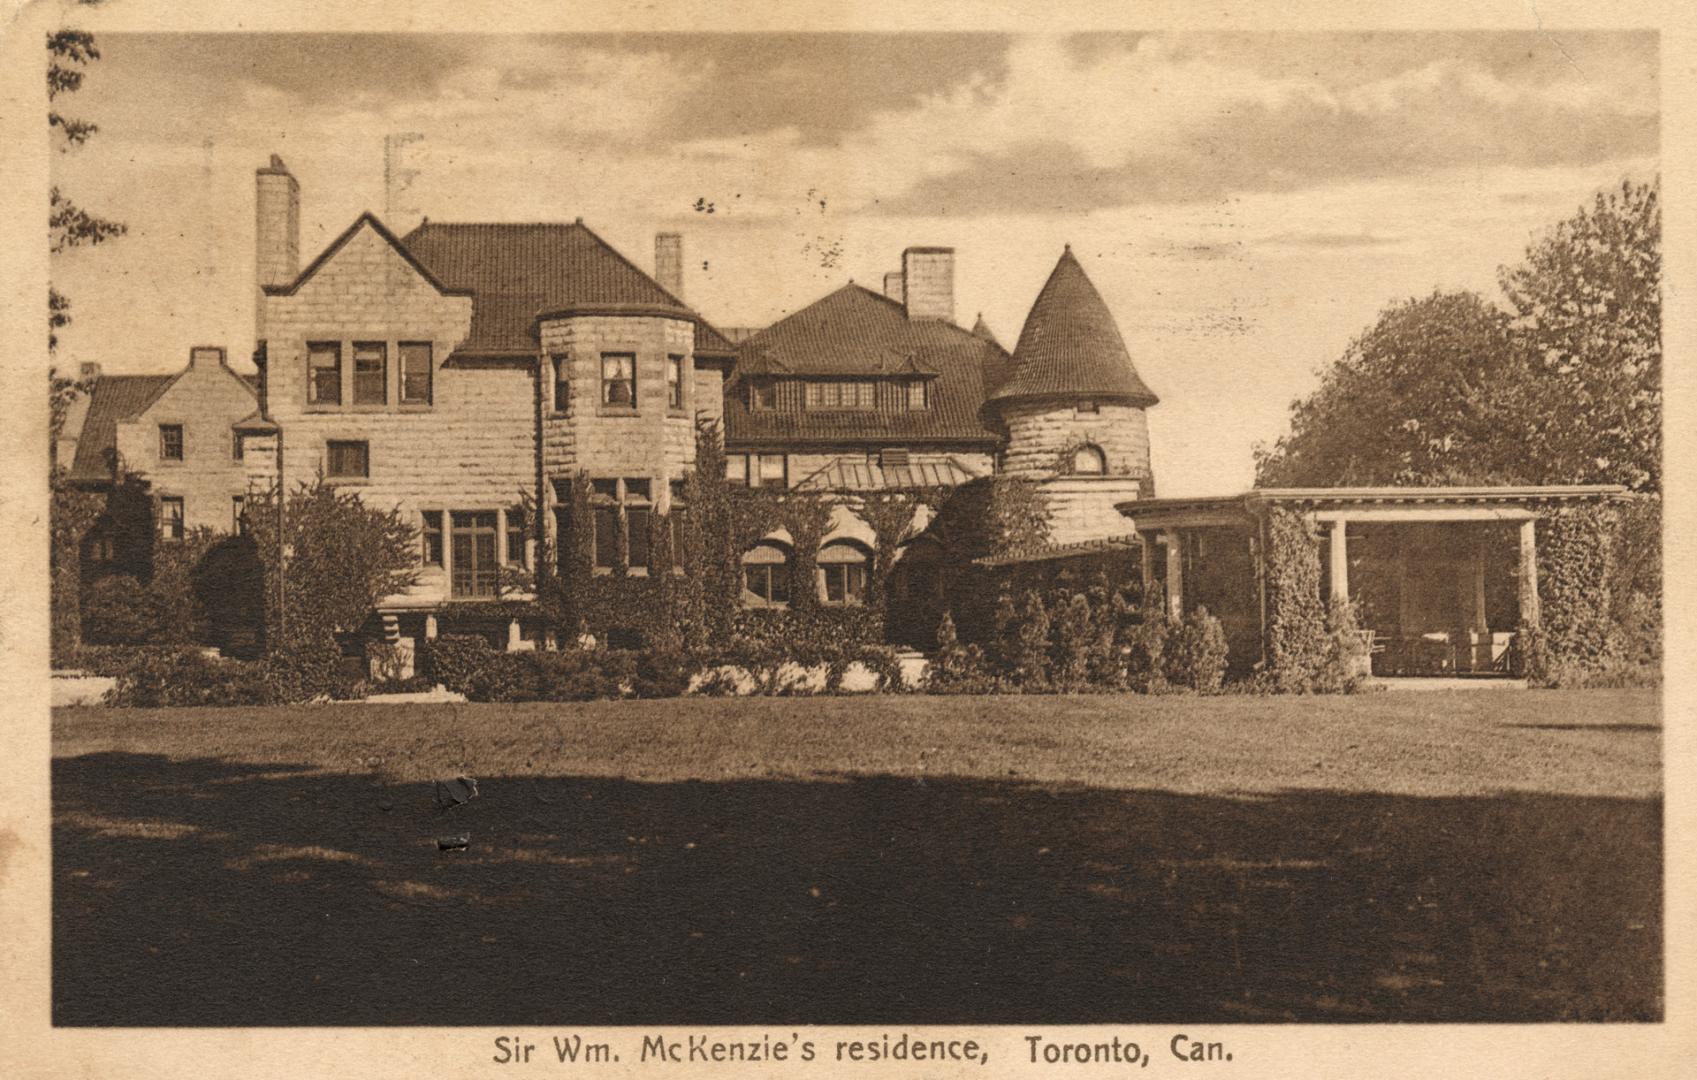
(209, 893)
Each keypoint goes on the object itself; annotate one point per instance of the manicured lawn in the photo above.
(1431, 856)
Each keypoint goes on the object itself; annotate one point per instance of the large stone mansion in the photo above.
(463, 370)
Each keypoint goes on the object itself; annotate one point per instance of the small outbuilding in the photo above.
(1440, 578)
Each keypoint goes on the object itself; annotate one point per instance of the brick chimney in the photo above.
(928, 283)
(278, 224)
(893, 286)
(669, 262)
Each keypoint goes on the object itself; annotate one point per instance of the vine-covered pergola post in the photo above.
(1531, 614)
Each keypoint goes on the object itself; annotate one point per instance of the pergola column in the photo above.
(1340, 559)
(1530, 614)
(1175, 575)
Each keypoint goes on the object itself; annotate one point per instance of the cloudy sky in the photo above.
(1245, 202)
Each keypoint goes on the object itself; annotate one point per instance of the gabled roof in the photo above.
(1070, 345)
(855, 332)
(857, 474)
(514, 272)
(114, 398)
(382, 230)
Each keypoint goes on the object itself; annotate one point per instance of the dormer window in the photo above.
(841, 395)
(918, 395)
(762, 395)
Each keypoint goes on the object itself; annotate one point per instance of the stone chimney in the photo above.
(893, 286)
(669, 262)
(278, 225)
(206, 354)
(928, 283)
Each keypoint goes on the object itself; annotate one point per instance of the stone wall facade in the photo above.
(205, 400)
(1043, 435)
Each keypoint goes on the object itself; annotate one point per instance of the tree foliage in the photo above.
(69, 52)
(1564, 386)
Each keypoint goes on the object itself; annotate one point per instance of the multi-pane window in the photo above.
(415, 372)
(431, 535)
(348, 459)
(843, 568)
(516, 535)
(238, 515)
(918, 395)
(841, 395)
(562, 388)
(324, 373)
(674, 381)
(171, 517)
(371, 373)
(475, 565)
(766, 574)
(170, 442)
(757, 470)
(763, 395)
(618, 380)
(621, 512)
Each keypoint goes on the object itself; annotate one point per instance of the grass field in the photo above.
(1444, 856)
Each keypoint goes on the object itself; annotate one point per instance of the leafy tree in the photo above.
(69, 52)
(1427, 394)
(1564, 387)
(334, 559)
(1589, 315)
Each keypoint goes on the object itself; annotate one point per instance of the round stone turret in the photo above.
(1074, 404)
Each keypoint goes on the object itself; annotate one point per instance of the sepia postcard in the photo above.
(846, 540)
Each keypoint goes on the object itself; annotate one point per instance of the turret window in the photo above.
(1089, 461)
(674, 382)
(618, 380)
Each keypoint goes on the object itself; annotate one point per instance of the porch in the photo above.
(1441, 578)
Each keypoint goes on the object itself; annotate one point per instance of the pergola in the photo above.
(1441, 575)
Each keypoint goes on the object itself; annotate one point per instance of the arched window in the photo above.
(766, 574)
(1089, 460)
(844, 566)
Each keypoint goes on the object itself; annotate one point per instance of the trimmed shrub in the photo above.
(1146, 655)
(956, 668)
(1196, 653)
(159, 678)
(454, 659)
(118, 610)
(658, 673)
(1297, 640)
(113, 660)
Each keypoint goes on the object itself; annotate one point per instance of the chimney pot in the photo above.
(669, 262)
(893, 287)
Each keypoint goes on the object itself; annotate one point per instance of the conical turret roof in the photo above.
(1070, 346)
